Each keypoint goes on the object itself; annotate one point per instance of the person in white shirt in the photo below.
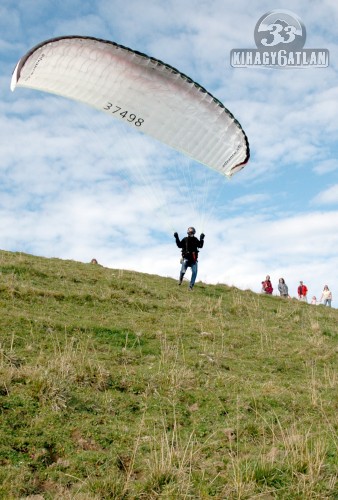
(326, 296)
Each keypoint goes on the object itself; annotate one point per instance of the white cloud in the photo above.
(327, 197)
(326, 166)
(250, 199)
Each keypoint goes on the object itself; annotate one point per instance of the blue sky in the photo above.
(75, 186)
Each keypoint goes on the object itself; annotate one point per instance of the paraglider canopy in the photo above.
(149, 95)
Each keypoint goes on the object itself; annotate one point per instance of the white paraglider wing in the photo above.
(146, 93)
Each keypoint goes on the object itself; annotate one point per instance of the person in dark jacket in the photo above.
(189, 245)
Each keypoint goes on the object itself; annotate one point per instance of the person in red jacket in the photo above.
(267, 286)
(302, 292)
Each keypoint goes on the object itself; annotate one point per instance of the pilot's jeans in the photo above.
(194, 268)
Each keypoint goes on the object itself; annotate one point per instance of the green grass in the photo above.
(117, 384)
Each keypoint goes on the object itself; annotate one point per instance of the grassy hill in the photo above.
(117, 384)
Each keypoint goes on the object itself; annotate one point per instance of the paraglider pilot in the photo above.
(189, 245)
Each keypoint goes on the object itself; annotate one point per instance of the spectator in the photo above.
(267, 286)
(283, 288)
(326, 296)
(302, 292)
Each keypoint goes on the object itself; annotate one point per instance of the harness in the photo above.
(191, 257)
